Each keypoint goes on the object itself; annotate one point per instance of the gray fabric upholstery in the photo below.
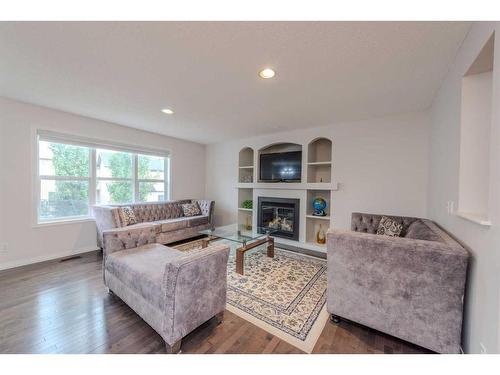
(142, 269)
(407, 287)
(198, 220)
(181, 234)
(173, 291)
(165, 217)
(368, 223)
(171, 225)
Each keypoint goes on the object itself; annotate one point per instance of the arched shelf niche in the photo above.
(245, 165)
(319, 160)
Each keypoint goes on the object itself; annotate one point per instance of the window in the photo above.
(64, 180)
(114, 175)
(72, 176)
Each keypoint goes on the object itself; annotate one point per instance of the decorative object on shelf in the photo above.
(248, 225)
(247, 179)
(320, 236)
(319, 205)
(248, 203)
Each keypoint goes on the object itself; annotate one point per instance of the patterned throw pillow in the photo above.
(191, 209)
(128, 216)
(389, 227)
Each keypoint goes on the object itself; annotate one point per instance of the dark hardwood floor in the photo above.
(63, 307)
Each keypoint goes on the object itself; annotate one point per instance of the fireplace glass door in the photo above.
(281, 215)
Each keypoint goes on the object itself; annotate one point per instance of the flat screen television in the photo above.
(281, 167)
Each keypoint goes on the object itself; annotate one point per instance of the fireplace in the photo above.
(281, 214)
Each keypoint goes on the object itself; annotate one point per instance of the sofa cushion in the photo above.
(198, 220)
(418, 230)
(389, 227)
(142, 269)
(173, 224)
(191, 209)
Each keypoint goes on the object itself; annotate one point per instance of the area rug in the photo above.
(284, 295)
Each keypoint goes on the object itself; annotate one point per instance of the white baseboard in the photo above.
(43, 258)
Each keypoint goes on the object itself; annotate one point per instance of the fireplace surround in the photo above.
(281, 214)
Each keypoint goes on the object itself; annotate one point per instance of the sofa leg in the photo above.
(219, 317)
(110, 292)
(335, 318)
(174, 348)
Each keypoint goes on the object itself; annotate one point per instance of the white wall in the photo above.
(475, 144)
(381, 166)
(482, 299)
(29, 243)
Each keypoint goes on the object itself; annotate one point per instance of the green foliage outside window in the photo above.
(70, 198)
(120, 167)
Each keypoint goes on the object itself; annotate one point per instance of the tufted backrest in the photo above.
(146, 212)
(368, 223)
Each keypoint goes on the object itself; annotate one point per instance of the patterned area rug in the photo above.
(284, 295)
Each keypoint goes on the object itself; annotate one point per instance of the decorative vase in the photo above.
(320, 236)
(248, 226)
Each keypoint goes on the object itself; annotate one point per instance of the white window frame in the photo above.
(93, 145)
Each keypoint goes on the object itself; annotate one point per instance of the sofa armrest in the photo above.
(207, 208)
(106, 217)
(195, 288)
(117, 239)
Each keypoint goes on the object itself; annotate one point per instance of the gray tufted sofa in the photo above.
(165, 219)
(411, 287)
(173, 291)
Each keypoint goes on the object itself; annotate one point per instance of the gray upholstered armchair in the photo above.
(173, 291)
(411, 287)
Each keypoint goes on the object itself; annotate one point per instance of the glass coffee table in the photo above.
(248, 239)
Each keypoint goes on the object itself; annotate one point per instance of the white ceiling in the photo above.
(125, 72)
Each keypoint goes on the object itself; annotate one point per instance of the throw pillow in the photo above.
(418, 230)
(191, 209)
(389, 227)
(128, 216)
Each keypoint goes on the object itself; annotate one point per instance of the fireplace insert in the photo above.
(281, 214)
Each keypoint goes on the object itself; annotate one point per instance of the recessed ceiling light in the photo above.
(167, 111)
(267, 73)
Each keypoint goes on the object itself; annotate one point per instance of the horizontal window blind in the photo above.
(49, 136)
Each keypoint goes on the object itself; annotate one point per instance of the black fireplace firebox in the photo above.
(281, 214)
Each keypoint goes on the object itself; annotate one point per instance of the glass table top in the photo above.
(238, 233)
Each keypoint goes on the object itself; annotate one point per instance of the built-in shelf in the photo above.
(288, 185)
(317, 181)
(245, 165)
(316, 245)
(312, 245)
(320, 163)
(322, 186)
(318, 217)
